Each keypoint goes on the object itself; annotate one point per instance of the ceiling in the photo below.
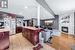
(61, 6)
(28, 8)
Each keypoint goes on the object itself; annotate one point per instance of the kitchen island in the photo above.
(32, 34)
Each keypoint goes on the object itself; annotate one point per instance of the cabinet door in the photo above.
(24, 32)
(36, 37)
(1, 35)
(6, 33)
(28, 34)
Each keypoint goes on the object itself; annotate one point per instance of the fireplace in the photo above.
(64, 29)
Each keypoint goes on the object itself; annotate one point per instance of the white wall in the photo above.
(70, 25)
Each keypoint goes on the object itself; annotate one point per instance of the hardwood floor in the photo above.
(18, 42)
(63, 42)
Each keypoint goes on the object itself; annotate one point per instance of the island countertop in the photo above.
(32, 28)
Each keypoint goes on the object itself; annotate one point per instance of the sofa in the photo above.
(4, 40)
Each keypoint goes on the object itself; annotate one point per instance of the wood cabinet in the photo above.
(32, 34)
(4, 39)
(63, 42)
(18, 29)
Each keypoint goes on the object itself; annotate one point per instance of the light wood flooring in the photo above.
(63, 42)
(18, 42)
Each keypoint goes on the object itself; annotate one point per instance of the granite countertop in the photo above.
(32, 28)
(2, 30)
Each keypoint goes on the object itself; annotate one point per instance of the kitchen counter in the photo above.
(3, 30)
(32, 28)
(32, 34)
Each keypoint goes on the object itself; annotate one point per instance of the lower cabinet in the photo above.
(18, 29)
(4, 40)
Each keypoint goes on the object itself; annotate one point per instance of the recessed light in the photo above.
(26, 7)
